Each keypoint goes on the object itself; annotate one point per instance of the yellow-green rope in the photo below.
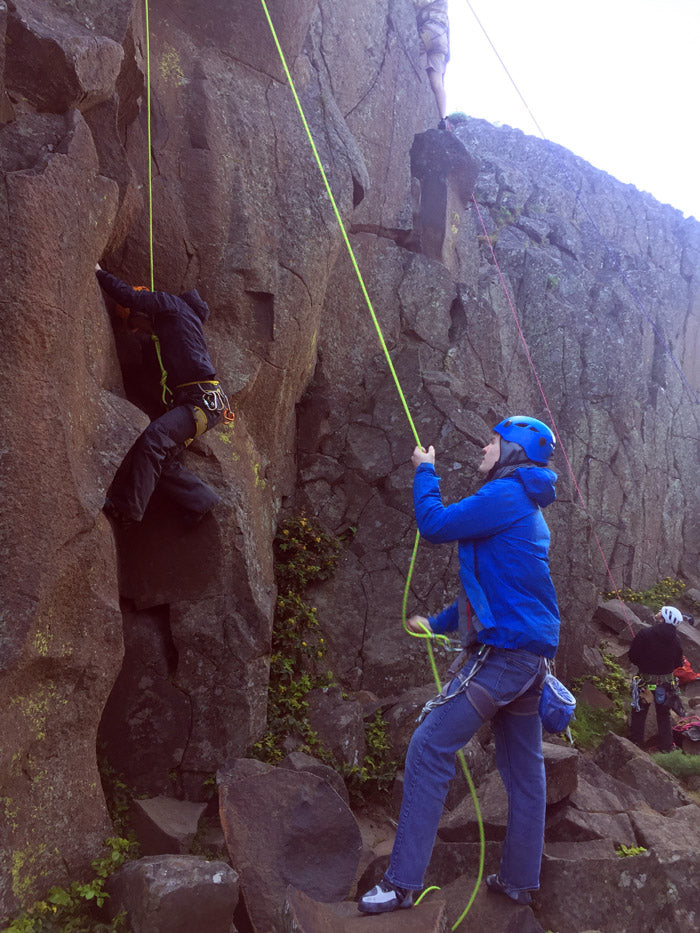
(402, 397)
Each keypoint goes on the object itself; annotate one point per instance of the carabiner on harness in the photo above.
(463, 679)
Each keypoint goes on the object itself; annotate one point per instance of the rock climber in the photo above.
(434, 33)
(507, 616)
(193, 396)
(657, 652)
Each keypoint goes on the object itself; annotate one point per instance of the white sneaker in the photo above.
(384, 897)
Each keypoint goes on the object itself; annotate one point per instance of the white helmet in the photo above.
(672, 615)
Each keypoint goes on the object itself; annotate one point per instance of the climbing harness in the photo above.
(658, 689)
(213, 396)
(201, 423)
(463, 679)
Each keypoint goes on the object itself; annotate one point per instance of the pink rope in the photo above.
(551, 416)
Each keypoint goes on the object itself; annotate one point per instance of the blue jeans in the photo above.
(430, 765)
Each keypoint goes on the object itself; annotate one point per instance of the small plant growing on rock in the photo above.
(624, 851)
(305, 554)
(663, 593)
(377, 772)
(75, 909)
(591, 725)
(678, 764)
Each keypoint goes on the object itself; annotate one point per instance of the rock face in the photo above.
(240, 211)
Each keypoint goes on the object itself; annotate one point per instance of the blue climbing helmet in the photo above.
(535, 438)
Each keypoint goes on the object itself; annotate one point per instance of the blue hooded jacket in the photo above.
(176, 321)
(503, 544)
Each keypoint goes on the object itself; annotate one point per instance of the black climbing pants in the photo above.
(152, 460)
(638, 720)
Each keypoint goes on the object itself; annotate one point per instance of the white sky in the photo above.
(615, 81)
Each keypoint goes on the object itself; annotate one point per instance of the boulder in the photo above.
(445, 174)
(624, 761)
(299, 761)
(286, 828)
(174, 894)
(619, 618)
(339, 724)
(561, 764)
(164, 825)
(56, 61)
(303, 914)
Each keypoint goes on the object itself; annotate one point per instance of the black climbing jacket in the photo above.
(656, 650)
(176, 321)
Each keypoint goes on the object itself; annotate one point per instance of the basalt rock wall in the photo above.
(152, 646)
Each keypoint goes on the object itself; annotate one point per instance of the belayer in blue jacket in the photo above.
(194, 399)
(507, 618)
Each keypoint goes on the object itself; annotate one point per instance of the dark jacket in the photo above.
(176, 321)
(656, 650)
(503, 543)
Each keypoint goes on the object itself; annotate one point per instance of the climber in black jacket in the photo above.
(657, 652)
(191, 393)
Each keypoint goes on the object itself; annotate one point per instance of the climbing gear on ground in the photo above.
(384, 897)
(671, 615)
(685, 673)
(687, 728)
(557, 704)
(536, 439)
(496, 886)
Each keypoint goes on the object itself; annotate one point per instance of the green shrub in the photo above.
(666, 592)
(627, 851)
(676, 763)
(75, 909)
(377, 772)
(591, 724)
(306, 554)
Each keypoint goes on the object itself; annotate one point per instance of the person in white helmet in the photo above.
(657, 652)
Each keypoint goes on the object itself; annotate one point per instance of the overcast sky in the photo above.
(615, 81)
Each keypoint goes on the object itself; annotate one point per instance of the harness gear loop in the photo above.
(214, 399)
(464, 680)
